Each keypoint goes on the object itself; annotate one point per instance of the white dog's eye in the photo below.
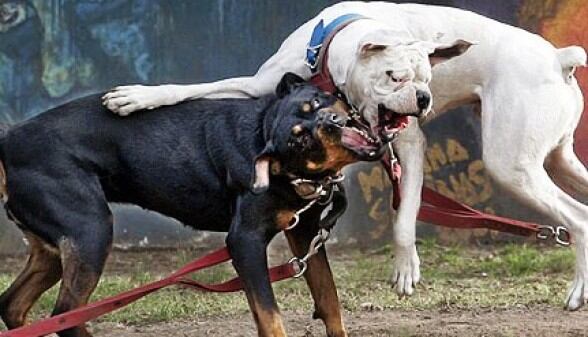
(315, 103)
(390, 74)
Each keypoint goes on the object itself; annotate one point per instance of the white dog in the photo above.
(529, 99)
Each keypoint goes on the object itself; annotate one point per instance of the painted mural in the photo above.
(54, 50)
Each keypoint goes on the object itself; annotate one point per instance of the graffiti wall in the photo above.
(54, 50)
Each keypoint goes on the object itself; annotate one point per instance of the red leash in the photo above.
(443, 211)
(91, 311)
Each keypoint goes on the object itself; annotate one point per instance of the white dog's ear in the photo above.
(570, 58)
(376, 42)
(440, 53)
(369, 49)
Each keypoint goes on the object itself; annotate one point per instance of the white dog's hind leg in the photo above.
(532, 186)
(517, 136)
(567, 171)
(410, 150)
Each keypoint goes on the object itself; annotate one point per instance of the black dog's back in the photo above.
(185, 161)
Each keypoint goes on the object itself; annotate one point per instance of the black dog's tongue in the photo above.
(354, 139)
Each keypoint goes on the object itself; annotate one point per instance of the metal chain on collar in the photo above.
(323, 195)
(321, 189)
(301, 264)
(559, 233)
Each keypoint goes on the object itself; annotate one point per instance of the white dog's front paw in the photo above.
(128, 99)
(406, 273)
(578, 294)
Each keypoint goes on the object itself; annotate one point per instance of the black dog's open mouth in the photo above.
(368, 142)
(358, 137)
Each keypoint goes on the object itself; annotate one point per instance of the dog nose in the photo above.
(423, 99)
(336, 119)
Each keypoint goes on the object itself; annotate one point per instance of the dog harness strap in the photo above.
(317, 50)
(320, 34)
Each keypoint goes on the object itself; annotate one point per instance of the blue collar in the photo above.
(320, 33)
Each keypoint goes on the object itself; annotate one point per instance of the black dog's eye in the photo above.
(315, 103)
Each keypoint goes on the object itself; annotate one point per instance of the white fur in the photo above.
(530, 104)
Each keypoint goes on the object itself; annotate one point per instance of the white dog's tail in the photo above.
(570, 58)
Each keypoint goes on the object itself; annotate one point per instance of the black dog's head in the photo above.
(309, 133)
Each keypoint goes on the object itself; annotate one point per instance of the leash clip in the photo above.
(301, 264)
(296, 217)
(559, 233)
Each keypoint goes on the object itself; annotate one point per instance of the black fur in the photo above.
(193, 162)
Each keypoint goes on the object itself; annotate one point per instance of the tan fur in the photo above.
(284, 219)
(337, 156)
(269, 322)
(42, 271)
(79, 281)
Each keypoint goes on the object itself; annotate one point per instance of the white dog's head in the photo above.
(391, 76)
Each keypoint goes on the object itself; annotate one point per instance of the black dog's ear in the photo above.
(260, 179)
(289, 80)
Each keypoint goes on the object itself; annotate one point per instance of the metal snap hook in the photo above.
(294, 222)
(545, 232)
(559, 233)
(300, 265)
(562, 236)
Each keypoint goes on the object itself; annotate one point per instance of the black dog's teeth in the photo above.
(364, 134)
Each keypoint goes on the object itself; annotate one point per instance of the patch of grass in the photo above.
(453, 277)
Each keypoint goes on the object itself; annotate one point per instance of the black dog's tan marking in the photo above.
(198, 162)
(42, 271)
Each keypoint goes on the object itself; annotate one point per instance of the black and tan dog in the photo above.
(220, 165)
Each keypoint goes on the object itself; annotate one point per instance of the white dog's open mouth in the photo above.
(389, 123)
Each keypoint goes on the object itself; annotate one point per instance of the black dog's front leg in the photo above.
(318, 276)
(247, 241)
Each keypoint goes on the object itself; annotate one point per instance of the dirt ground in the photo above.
(544, 322)
(516, 320)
